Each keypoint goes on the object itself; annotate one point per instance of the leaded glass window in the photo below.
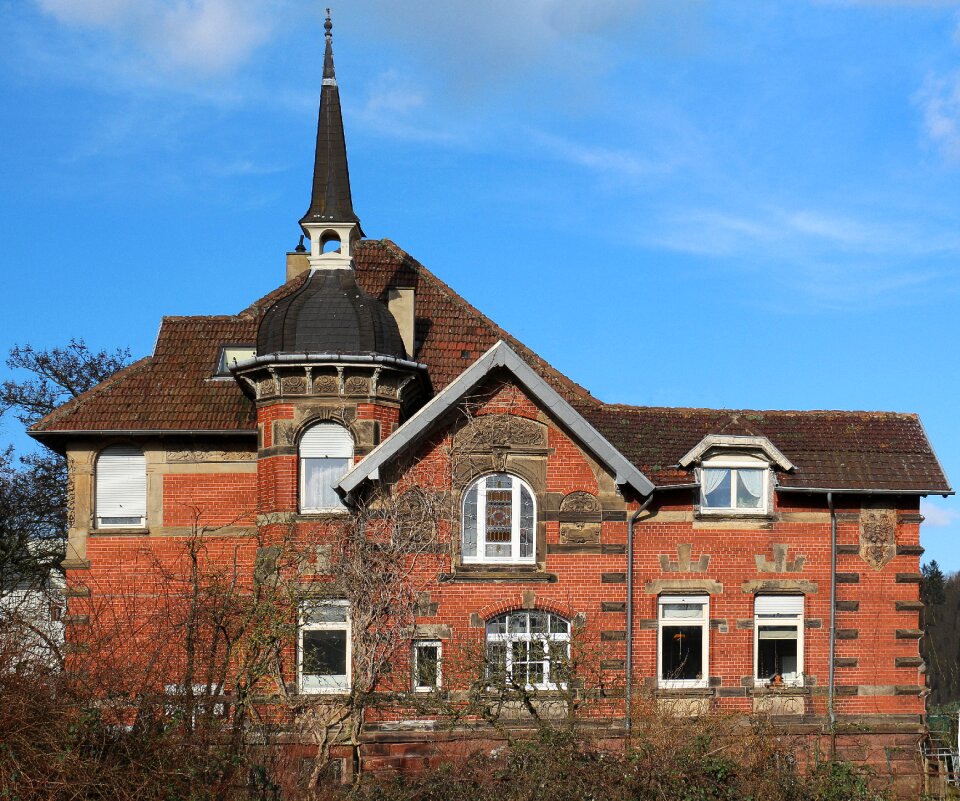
(499, 520)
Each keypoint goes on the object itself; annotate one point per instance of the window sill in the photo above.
(322, 514)
(498, 573)
(733, 514)
(119, 531)
(765, 690)
(684, 692)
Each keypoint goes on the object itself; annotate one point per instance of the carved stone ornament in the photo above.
(266, 387)
(501, 430)
(326, 385)
(580, 502)
(210, 456)
(878, 535)
(294, 384)
(580, 515)
(416, 516)
(581, 533)
(357, 385)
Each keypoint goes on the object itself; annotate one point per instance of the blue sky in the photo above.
(751, 204)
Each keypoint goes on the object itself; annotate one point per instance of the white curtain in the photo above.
(319, 476)
(749, 487)
(713, 479)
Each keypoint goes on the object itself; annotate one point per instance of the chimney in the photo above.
(400, 302)
(297, 262)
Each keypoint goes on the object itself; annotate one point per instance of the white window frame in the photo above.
(138, 486)
(481, 558)
(334, 684)
(302, 469)
(415, 665)
(792, 619)
(703, 620)
(547, 637)
(733, 465)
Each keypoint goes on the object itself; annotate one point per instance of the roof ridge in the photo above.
(70, 405)
(728, 411)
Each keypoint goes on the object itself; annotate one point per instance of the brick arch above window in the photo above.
(528, 601)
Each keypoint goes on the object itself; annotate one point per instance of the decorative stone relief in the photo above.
(580, 502)
(780, 563)
(326, 385)
(878, 535)
(293, 385)
(388, 389)
(683, 563)
(580, 515)
(501, 430)
(210, 456)
(357, 385)
(416, 517)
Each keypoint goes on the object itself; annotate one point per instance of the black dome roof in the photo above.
(330, 313)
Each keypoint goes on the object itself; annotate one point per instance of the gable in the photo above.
(499, 356)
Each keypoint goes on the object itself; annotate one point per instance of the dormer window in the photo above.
(734, 488)
(231, 354)
(735, 473)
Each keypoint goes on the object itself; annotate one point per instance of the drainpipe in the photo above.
(628, 719)
(831, 715)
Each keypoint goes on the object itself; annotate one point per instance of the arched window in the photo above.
(499, 520)
(121, 487)
(326, 453)
(528, 650)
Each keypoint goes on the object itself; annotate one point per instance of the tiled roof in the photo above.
(829, 449)
(174, 389)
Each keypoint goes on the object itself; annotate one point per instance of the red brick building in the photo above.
(751, 561)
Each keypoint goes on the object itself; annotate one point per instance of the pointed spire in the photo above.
(331, 200)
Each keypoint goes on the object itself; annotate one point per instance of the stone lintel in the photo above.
(780, 585)
(661, 586)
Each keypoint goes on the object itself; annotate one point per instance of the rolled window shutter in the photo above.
(779, 605)
(326, 439)
(121, 482)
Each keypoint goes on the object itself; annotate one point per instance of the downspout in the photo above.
(628, 718)
(831, 715)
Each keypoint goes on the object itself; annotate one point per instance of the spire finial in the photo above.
(329, 77)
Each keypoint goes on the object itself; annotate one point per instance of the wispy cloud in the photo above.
(206, 37)
(621, 163)
(939, 99)
(938, 516)
(836, 260)
(396, 106)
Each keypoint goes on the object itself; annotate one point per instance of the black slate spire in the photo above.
(331, 200)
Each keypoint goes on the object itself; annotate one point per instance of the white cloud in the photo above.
(936, 515)
(940, 100)
(200, 36)
(835, 260)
